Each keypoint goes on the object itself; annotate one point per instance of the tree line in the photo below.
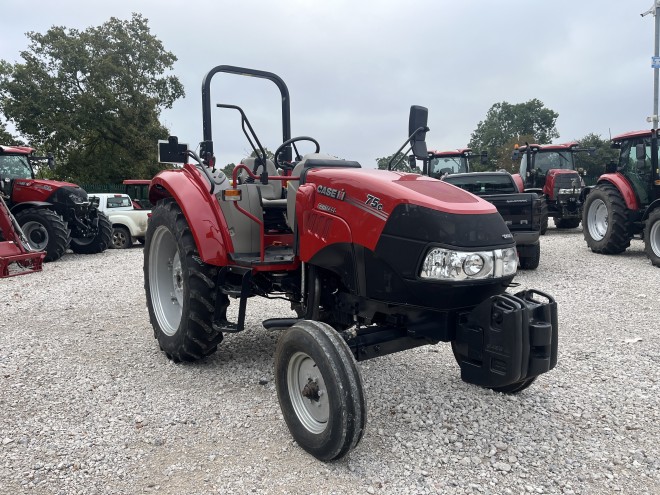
(94, 98)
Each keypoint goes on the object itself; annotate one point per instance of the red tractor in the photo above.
(626, 200)
(549, 170)
(53, 215)
(441, 163)
(372, 261)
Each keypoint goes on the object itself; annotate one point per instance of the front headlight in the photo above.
(447, 264)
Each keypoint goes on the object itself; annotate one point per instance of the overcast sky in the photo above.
(354, 67)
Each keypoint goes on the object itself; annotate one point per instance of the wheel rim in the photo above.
(166, 281)
(118, 239)
(308, 393)
(597, 219)
(36, 234)
(654, 238)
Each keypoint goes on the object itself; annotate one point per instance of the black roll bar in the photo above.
(230, 69)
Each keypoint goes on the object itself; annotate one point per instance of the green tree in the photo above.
(594, 163)
(400, 163)
(93, 98)
(6, 138)
(228, 169)
(506, 124)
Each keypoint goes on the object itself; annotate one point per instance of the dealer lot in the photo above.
(89, 404)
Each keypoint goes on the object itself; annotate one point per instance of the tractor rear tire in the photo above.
(605, 221)
(97, 244)
(45, 231)
(531, 262)
(544, 215)
(121, 238)
(319, 388)
(652, 237)
(180, 288)
(567, 223)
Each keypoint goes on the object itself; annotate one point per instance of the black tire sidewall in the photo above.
(653, 218)
(608, 244)
(332, 442)
(57, 245)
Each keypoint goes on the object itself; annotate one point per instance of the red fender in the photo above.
(201, 209)
(626, 190)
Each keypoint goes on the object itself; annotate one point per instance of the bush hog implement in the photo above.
(53, 215)
(16, 255)
(549, 170)
(372, 261)
(625, 202)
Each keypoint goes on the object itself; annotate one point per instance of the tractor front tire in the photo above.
(319, 388)
(652, 237)
(532, 260)
(121, 238)
(180, 288)
(45, 231)
(97, 244)
(605, 221)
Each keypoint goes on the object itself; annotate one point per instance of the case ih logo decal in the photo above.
(331, 193)
(371, 205)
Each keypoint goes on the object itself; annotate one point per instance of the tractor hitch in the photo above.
(507, 339)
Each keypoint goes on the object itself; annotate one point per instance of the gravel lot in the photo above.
(89, 404)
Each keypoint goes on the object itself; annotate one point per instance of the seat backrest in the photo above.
(272, 190)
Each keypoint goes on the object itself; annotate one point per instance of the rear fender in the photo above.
(626, 190)
(201, 209)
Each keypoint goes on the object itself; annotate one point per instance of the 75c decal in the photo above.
(374, 202)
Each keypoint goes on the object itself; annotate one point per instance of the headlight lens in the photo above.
(447, 264)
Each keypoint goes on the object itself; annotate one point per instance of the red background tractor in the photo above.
(626, 199)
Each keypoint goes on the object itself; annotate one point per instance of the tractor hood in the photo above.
(419, 208)
(394, 188)
(26, 190)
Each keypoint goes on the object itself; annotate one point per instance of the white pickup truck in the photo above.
(128, 223)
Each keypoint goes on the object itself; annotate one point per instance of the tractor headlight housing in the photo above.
(449, 264)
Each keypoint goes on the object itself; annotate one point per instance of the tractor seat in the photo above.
(269, 192)
(311, 160)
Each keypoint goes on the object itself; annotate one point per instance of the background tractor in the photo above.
(372, 262)
(549, 170)
(626, 199)
(53, 215)
(440, 163)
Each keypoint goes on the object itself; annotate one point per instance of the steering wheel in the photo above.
(293, 141)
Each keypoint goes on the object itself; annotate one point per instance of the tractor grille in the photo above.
(566, 181)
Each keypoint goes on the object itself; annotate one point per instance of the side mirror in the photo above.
(417, 131)
(171, 151)
(483, 158)
(515, 155)
(640, 152)
(611, 168)
(51, 161)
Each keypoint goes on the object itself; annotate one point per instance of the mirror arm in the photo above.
(406, 142)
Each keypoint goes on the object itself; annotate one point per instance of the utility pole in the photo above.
(655, 10)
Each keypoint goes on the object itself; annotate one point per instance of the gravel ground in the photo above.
(89, 404)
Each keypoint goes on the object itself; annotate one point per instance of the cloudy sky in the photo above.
(354, 67)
